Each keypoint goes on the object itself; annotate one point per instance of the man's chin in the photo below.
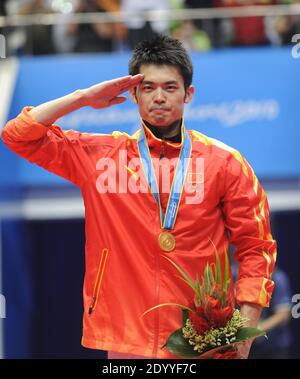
(161, 123)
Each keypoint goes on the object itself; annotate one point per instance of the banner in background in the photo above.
(247, 98)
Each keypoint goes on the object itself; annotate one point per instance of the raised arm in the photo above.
(34, 136)
(99, 96)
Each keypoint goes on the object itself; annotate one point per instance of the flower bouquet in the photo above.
(211, 326)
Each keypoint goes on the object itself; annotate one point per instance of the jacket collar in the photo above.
(158, 145)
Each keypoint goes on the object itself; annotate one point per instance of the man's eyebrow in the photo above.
(167, 82)
(172, 82)
(146, 82)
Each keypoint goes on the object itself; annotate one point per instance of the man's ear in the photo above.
(189, 93)
(132, 93)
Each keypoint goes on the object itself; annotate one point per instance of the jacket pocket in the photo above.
(98, 281)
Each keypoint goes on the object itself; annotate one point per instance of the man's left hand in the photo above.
(243, 349)
(252, 313)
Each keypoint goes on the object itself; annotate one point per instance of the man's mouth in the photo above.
(159, 110)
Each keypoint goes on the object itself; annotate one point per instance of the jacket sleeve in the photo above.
(60, 152)
(246, 213)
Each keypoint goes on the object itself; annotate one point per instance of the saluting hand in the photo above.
(107, 93)
(99, 96)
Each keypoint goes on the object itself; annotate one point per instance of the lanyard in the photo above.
(168, 220)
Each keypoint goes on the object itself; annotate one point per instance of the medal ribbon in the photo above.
(168, 220)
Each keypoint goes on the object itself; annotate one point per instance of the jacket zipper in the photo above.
(162, 150)
(98, 280)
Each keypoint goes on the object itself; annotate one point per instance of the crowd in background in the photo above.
(66, 36)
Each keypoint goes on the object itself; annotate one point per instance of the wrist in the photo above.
(252, 313)
(79, 99)
(48, 113)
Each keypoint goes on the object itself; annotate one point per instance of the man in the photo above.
(135, 217)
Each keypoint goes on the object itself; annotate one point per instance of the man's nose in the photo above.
(159, 96)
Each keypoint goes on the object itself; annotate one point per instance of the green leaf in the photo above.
(218, 273)
(211, 280)
(167, 305)
(245, 333)
(226, 279)
(198, 286)
(226, 273)
(185, 281)
(180, 346)
(207, 280)
(242, 335)
(184, 275)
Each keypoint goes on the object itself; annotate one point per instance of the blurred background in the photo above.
(247, 79)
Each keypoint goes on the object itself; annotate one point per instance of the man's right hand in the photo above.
(107, 93)
(99, 96)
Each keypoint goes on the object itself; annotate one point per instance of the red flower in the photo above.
(213, 311)
(199, 323)
(229, 354)
(212, 308)
(212, 303)
(220, 316)
(210, 315)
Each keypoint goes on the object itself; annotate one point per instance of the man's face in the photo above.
(161, 95)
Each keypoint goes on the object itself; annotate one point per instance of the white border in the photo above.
(9, 68)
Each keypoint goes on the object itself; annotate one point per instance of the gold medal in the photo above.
(168, 216)
(166, 241)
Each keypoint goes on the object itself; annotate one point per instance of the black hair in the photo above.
(162, 50)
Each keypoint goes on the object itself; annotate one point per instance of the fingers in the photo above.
(117, 100)
(107, 93)
(135, 79)
(119, 82)
(127, 82)
(243, 349)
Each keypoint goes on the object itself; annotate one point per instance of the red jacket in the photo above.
(126, 273)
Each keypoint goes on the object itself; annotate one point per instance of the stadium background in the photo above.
(246, 96)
